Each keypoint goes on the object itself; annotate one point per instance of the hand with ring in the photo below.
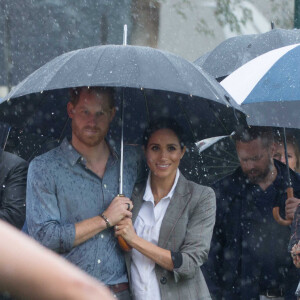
(126, 230)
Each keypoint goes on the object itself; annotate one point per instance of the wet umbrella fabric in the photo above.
(153, 83)
(236, 51)
(268, 88)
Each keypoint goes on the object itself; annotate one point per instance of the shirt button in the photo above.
(104, 186)
(163, 280)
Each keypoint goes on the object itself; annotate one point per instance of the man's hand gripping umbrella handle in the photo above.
(276, 215)
(123, 244)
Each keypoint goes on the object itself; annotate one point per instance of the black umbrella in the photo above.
(236, 51)
(149, 82)
(156, 83)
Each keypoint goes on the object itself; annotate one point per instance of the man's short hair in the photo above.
(249, 134)
(75, 93)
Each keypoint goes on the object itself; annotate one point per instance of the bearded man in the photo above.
(249, 258)
(72, 202)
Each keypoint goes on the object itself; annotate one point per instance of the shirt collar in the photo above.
(148, 195)
(73, 156)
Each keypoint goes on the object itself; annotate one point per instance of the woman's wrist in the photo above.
(135, 242)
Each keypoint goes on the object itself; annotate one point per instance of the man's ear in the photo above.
(70, 110)
(273, 148)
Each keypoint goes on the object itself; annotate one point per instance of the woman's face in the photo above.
(279, 155)
(163, 153)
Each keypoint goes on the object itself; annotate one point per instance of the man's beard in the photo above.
(90, 140)
(256, 176)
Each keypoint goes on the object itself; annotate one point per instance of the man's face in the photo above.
(255, 159)
(91, 117)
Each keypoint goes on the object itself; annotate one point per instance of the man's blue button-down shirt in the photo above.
(61, 191)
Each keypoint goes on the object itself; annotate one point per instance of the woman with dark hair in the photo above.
(172, 223)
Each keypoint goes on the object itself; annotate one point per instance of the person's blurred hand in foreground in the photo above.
(295, 252)
(29, 271)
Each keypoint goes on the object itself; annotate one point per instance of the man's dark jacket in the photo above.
(13, 176)
(233, 268)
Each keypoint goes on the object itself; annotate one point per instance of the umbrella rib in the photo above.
(232, 166)
(216, 116)
(61, 66)
(63, 130)
(99, 58)
(226, 152)
(187, 92)
(218, 158)
(187, 119)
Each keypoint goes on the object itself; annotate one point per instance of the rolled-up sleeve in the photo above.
(43, 213)
(199, 231)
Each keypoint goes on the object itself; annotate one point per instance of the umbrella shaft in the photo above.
(286, 158)
(122, 147)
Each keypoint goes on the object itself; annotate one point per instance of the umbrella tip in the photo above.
(125, 35)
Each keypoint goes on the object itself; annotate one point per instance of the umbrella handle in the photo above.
(276, 215)
(122, 243)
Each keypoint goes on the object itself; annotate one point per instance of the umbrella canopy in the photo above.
(268, 88)
(153, 83)
(236, 51)
(218, 157)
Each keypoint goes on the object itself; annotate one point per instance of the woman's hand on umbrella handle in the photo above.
(276, 215)
(125, 230)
